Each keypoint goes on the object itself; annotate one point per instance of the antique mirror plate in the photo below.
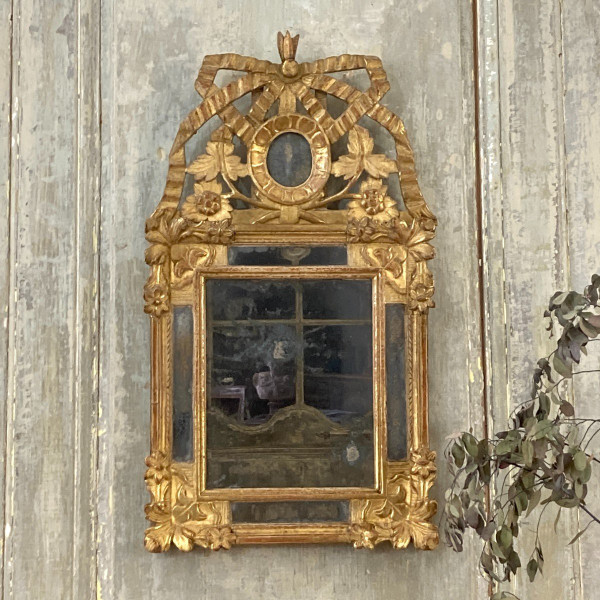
(288, 299)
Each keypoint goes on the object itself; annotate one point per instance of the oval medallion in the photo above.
(289, 159)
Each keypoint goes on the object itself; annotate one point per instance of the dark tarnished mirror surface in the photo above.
(395, 381)
(183, 344)
(287, 255)
(290, 512)
(289, 159)
(290, 379)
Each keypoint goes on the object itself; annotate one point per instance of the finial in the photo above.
(287, 46)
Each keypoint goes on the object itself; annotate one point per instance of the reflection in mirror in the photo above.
(183, 342)
(289, 159)
(290, 512)
(290, 401)
(281, 256)
(395, 381)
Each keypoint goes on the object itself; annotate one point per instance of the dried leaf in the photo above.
(527, 451)
(561, 367)
(534, 500)
(580, 533)
(567, 409)
(580, 460)
(470, 444)
(459, 455)
(557, 519)
(532, 569)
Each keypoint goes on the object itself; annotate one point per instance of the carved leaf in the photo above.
(192, 258)
(183, 538)
(422, 251)
(360, 144)
(208, 166)
(346, 166)
(359, 141)
(158, 539)
(401, 536)
(234, 166)
(379, 165)
(154, 236)
(156, 254)
(157, 513)
(360, 157)
(425, 535)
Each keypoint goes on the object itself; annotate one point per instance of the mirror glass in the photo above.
(289, 159)
(183, 343)
(290, 377)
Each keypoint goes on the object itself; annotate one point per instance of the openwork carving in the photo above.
(179, 518)
(349, 197)
(405, 513)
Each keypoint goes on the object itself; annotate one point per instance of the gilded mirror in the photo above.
(288, 299)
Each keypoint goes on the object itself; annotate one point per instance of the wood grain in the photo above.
(5, 251)
(48, 546)
(525, 221)
(74, 342)
(581, 49)
(153, 60)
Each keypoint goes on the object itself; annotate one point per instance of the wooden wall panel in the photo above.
(74, 376)
(151, 57)
(48, 542)
(525, 224)
(581, 53)
(5, 246)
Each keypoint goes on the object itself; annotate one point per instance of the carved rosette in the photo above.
(405, 513)
(179, 519)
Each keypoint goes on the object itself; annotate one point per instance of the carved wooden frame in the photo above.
(189, 242)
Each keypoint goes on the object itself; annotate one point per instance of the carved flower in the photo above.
(157, 299)
(374, 202)
(158, 467)
(220, 537)
(220, 232)
(423, 462)
(206, 204)
(363, 536)
(360, 230)
(421, 292)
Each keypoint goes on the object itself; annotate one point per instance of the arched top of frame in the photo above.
(235, 190)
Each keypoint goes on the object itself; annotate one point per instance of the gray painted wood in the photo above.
(5, 258)
(154, 58)
(74, 374)
(527, 237)
(581, 49)
(48, 545)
